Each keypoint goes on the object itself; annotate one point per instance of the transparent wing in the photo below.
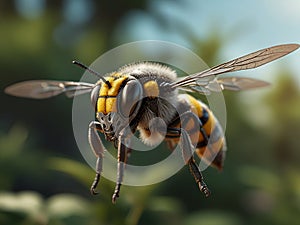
(204, 81)
(227, 83)
(240, 83)
(40, 89)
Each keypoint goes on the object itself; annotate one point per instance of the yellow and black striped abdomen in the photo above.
(212, 152)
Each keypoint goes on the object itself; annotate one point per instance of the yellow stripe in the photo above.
(208, 154)
(210, 124)
(195, 106)
(107, 105)
(101, 101)
(151, 89)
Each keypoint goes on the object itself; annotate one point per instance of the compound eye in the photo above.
(129, 98)
(95, 96)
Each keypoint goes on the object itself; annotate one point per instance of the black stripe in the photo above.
(205, 116)
(107, 96)
(201, 144)
(214, 137)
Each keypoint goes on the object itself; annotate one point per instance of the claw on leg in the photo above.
(204, 189)
(95, 184)
(187, 147)
(116, 193)
(198, 177)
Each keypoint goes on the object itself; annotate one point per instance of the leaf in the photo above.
(66, 205)
(213, 218)
(259, 178)
(24, 202)
(11, 144)
(81, 172)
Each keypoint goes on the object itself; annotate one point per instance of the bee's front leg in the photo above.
(98, 149)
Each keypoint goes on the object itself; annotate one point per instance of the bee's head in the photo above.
(117, 102)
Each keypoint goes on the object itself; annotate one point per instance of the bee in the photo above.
(127, 101)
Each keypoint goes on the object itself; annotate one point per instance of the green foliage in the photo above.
(212, 218)
(31, 208)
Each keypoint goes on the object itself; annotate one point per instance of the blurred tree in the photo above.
(284, 108)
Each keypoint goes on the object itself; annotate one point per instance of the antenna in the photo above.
(92, 72)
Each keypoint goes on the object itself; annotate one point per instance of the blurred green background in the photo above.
(43, 177)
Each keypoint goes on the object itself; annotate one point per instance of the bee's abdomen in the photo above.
(212, 151)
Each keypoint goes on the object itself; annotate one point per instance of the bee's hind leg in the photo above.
(186, 146)
(98, 149)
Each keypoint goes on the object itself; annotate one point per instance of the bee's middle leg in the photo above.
(123, 153)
